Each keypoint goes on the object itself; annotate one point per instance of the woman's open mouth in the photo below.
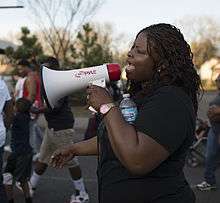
(129, 68)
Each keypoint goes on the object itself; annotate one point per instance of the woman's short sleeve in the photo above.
(167, 117)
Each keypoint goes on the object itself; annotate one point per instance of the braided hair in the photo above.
(172, 57)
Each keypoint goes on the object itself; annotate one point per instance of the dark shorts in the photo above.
(19, 166)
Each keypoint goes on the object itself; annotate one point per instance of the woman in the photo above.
(143, 162)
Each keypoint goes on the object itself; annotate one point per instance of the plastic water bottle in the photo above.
(128, 108)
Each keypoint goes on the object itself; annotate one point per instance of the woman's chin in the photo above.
(129, 76)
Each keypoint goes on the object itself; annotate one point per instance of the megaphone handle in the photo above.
(100, 83)
(92, 109)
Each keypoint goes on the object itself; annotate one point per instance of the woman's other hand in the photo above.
(62, 156)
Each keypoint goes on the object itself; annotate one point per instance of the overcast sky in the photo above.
(126, 16)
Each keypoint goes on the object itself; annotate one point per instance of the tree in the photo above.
(87, 51)
(203, 33)
(202, 51)
(30, 48)
(118, 44)
(199, 28)
(59, 21)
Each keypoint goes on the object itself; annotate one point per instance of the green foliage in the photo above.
(29, 49)
(87, 51)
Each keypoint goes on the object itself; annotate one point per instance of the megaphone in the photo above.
(57, 84)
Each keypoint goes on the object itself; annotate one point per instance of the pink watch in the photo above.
(105, 108)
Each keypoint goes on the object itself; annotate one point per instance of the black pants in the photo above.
(3, 197)
(19, 166)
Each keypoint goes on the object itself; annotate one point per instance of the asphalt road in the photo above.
(56, 187)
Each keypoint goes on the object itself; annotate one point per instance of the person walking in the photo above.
(213, 145)
(19, 162)
(31, 91)
(143, 161)
(6, 115)
(59, 133)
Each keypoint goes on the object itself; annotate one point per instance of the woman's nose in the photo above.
(129, 54)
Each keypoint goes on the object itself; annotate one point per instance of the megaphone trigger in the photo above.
(100, 82)
(92, 109)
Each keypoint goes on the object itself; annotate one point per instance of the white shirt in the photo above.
(4, 96)
(19, 88)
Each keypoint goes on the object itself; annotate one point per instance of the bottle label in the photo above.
(129, 114)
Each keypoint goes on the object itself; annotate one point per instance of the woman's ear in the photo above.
(161, 66)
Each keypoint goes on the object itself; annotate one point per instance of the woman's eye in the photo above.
(132, 47)
(141, 51)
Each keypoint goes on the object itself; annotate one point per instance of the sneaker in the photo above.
(32, 190)
(18, 185)
(7, 148)
(204, 186)
(35, 157)
(80, 197)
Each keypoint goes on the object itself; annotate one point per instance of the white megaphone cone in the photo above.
(58, 84)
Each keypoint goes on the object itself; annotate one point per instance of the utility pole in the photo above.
(19, 4)
(7, 7)
(2, 51)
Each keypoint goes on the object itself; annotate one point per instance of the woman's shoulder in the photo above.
(168, 96)
(168, 92)
(171, 93)
(169, 89)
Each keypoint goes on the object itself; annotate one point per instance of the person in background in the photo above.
(6, 115)
(31, 91)
(18, 92)
(143, 161)
(30, 86)
(40, 125)
(213, 145)
(19, 162)
(202, 129)
(59, 133)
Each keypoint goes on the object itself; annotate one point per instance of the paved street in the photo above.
(56, 187)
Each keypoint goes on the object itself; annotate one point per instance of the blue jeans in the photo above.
(212, 152)
(3, 197)
(36, 136)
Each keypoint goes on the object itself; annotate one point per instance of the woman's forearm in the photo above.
(134, 149)
(123, 137)
(85, 148)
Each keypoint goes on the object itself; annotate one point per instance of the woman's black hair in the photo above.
(173, 62)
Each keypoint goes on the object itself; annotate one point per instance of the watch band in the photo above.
(105, 108)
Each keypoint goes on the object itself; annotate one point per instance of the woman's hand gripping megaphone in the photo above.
(97, 95)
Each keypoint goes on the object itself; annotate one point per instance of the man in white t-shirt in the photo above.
(6, 115)
(19, 88)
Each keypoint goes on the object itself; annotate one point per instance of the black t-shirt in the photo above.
(168, 117)
(60, 118)
(20, 134)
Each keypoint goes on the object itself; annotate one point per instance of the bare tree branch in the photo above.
(200, 28)
(60, 20)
